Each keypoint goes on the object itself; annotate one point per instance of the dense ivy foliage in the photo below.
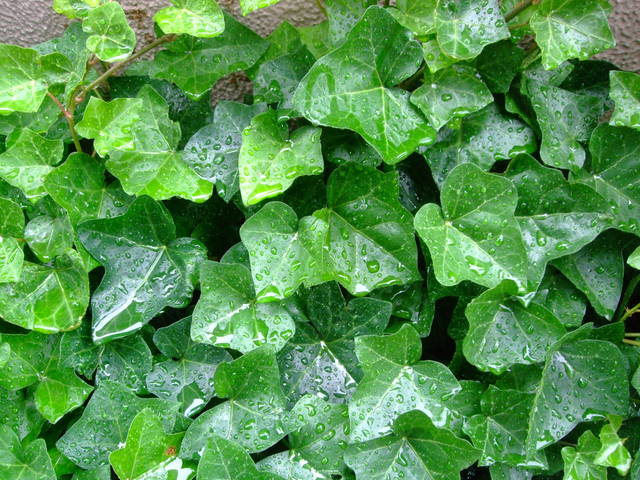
(411, 252)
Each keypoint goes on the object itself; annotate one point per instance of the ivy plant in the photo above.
(412, 251)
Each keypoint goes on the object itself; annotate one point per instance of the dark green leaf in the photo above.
(625, 92)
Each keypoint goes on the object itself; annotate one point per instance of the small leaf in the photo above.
(271, 159)
(24, 460)
(578, 462)
(248, 6)
(358, 95)
(111, 38)
(612, 451)
(49, 236)
(198, 18)
(571, 29)
(625, 92)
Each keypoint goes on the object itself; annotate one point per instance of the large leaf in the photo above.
(28, 460)
(146, 267)
(198, 18)
(254, 412)
(271, 159)
(396, 381)
(415, 449)
(110, 37)
(571, 29)
(228, 315)
(474, 235)
(625, 92)
(352, 87)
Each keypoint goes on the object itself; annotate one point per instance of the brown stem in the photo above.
(518, 9)
(321, 7)
(68, 115)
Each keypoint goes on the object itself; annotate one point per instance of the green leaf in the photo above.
(228, 315)
(566, 120)
(213, 151)
(47, 298)
(451, 93)
(111, 38)
(28, 159)
(559, 295)
(475, 235)
(148, 451)
(21, 461)
(578, 462)
(463, 31)
(198, 18)
(358, 94)
(187, 376)
(254, 412)
(396, 381)
(612, 452)
(223, 459)
(596, 271)
(196, 64)
(433, 56)
(290, 466)
(75, 8)
(416, 448)
(612, 173)
(100, 473)
(625, 92)
(270, 158)
(105, 421)
(503, 332)
(482, 138)
(146, 267)
(79, 186)
(364, 239)
(49, 237)
(571, 29)
(500, 431)
(416, 15)
(634, 259)
(342, 16)
(11, 228)
(248, 6)
(320, 359)
(582, 380)
(19, 412)
(111, 124)
(560, 223)
(498, 64)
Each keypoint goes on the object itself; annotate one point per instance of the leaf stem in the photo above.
(68, 115)
(114, 68)
(632, 334)
(628, 292)
(321, 7)
(629, 311)
(518, 9)
(631, 342)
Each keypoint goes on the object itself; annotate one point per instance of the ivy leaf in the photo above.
(571, 29)
(75, 8)
(11, 228)
(79, 186)
(20, 460)
(47, 298)
(475, 235)
(562, 298)
(198, 18)
(105, 421)
(451, 93)
(482, 138)
(612, 173)
(612, 452)
(228, 315)
(28, 159)
(271, 159)
(433, 56)
(396, 381)
(342, 16)
(596, 271)
(503, 332)
(111, 38)
(187, 376)
(19, 412)
(320, 359)
(148, 451)
(141, 256)
(625, 92)
(212, 152)
(248, 6)
(364, 239)
(498, 64)
(196, 64)
(252, 384)
(417, 15)
(582, 378)
(634, 259)
(567, 218)
(578, 462)
(49, 236)
(358, 94)
(416, 447)
(290, 466)
(223, 459)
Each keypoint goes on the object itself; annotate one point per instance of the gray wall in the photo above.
(26, 22)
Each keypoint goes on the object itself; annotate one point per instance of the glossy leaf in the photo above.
(248, 6)
(20, 461)
(358, 95)
(23, 85)
(198, 18)
(625, 92)
(141, 256)
(612, 451)
(49, 236)
(110, 37)
(270, 158)
(417, 15)
(634, 259)
(578, 462)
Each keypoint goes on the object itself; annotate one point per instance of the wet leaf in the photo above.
(198, 18)
(111, 38)
(625, 92)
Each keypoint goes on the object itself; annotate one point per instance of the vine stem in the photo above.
(68, 115)
(631, 342)
(629, 311)
(632, 334)
(626, 296)
(114, 68)
(518, 9)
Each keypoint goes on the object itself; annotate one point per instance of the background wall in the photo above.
(26, 22)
